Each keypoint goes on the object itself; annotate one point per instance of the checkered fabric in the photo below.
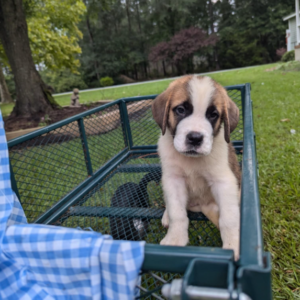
(48, 262)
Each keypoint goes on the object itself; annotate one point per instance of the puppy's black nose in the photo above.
(194, 138)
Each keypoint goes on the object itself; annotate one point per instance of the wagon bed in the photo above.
(66, 174)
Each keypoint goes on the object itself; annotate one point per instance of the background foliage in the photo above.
(140, 39)
(53, 32)
(118, 36)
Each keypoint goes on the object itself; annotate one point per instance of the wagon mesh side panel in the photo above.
(105, 136)
(144, 129)
(236, 96)
(47, 167)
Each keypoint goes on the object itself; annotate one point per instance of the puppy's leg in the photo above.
(211, 211)
(226, 195)
(165, 219)
(176, 199)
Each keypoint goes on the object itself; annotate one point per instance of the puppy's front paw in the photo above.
(165, 219)
(175, 240)
(235, 249)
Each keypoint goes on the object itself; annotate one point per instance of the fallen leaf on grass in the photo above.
(270, 70)
(284, 120)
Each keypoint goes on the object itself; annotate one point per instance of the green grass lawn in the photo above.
(275, 97)
(106, 94)
(117, 92)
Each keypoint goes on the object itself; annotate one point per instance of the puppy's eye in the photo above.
(214, 115)
(180, 110)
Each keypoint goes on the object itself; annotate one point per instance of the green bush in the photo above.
(63, 80)
(288, 56)
(291, 66)
(106, 81)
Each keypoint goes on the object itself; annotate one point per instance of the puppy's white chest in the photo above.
(198, 192)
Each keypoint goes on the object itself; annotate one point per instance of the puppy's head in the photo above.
(193, 110)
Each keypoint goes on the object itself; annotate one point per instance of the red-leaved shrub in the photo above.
(280, 51)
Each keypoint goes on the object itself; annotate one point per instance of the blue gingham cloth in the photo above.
(49, 262)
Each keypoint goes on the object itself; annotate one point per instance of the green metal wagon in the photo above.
(66, 174)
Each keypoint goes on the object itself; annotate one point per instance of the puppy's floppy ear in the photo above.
(160, 109)
(231, 116)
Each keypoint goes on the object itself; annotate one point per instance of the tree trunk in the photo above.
(88, 26)
(145, 69)
(4, 93)
(128, 15)
(138, 15)
(164, 68)
(33, 95)
(135, 72)
(179, 69)
(216, 57)
(190, 65)
(212, 28)
(172, 66)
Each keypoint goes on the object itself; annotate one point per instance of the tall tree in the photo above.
(53, 38)
(212, 30)
(127, 4)
(91, 38)
(33, 95)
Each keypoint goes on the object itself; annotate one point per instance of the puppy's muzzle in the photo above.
(194, 139)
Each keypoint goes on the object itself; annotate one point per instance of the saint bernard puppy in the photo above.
(200, 171)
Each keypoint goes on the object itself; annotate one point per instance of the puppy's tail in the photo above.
(151, 176)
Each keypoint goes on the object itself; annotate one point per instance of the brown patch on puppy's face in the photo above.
(230, 111)
(175, 95)
(179, 111)
(214, 113)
